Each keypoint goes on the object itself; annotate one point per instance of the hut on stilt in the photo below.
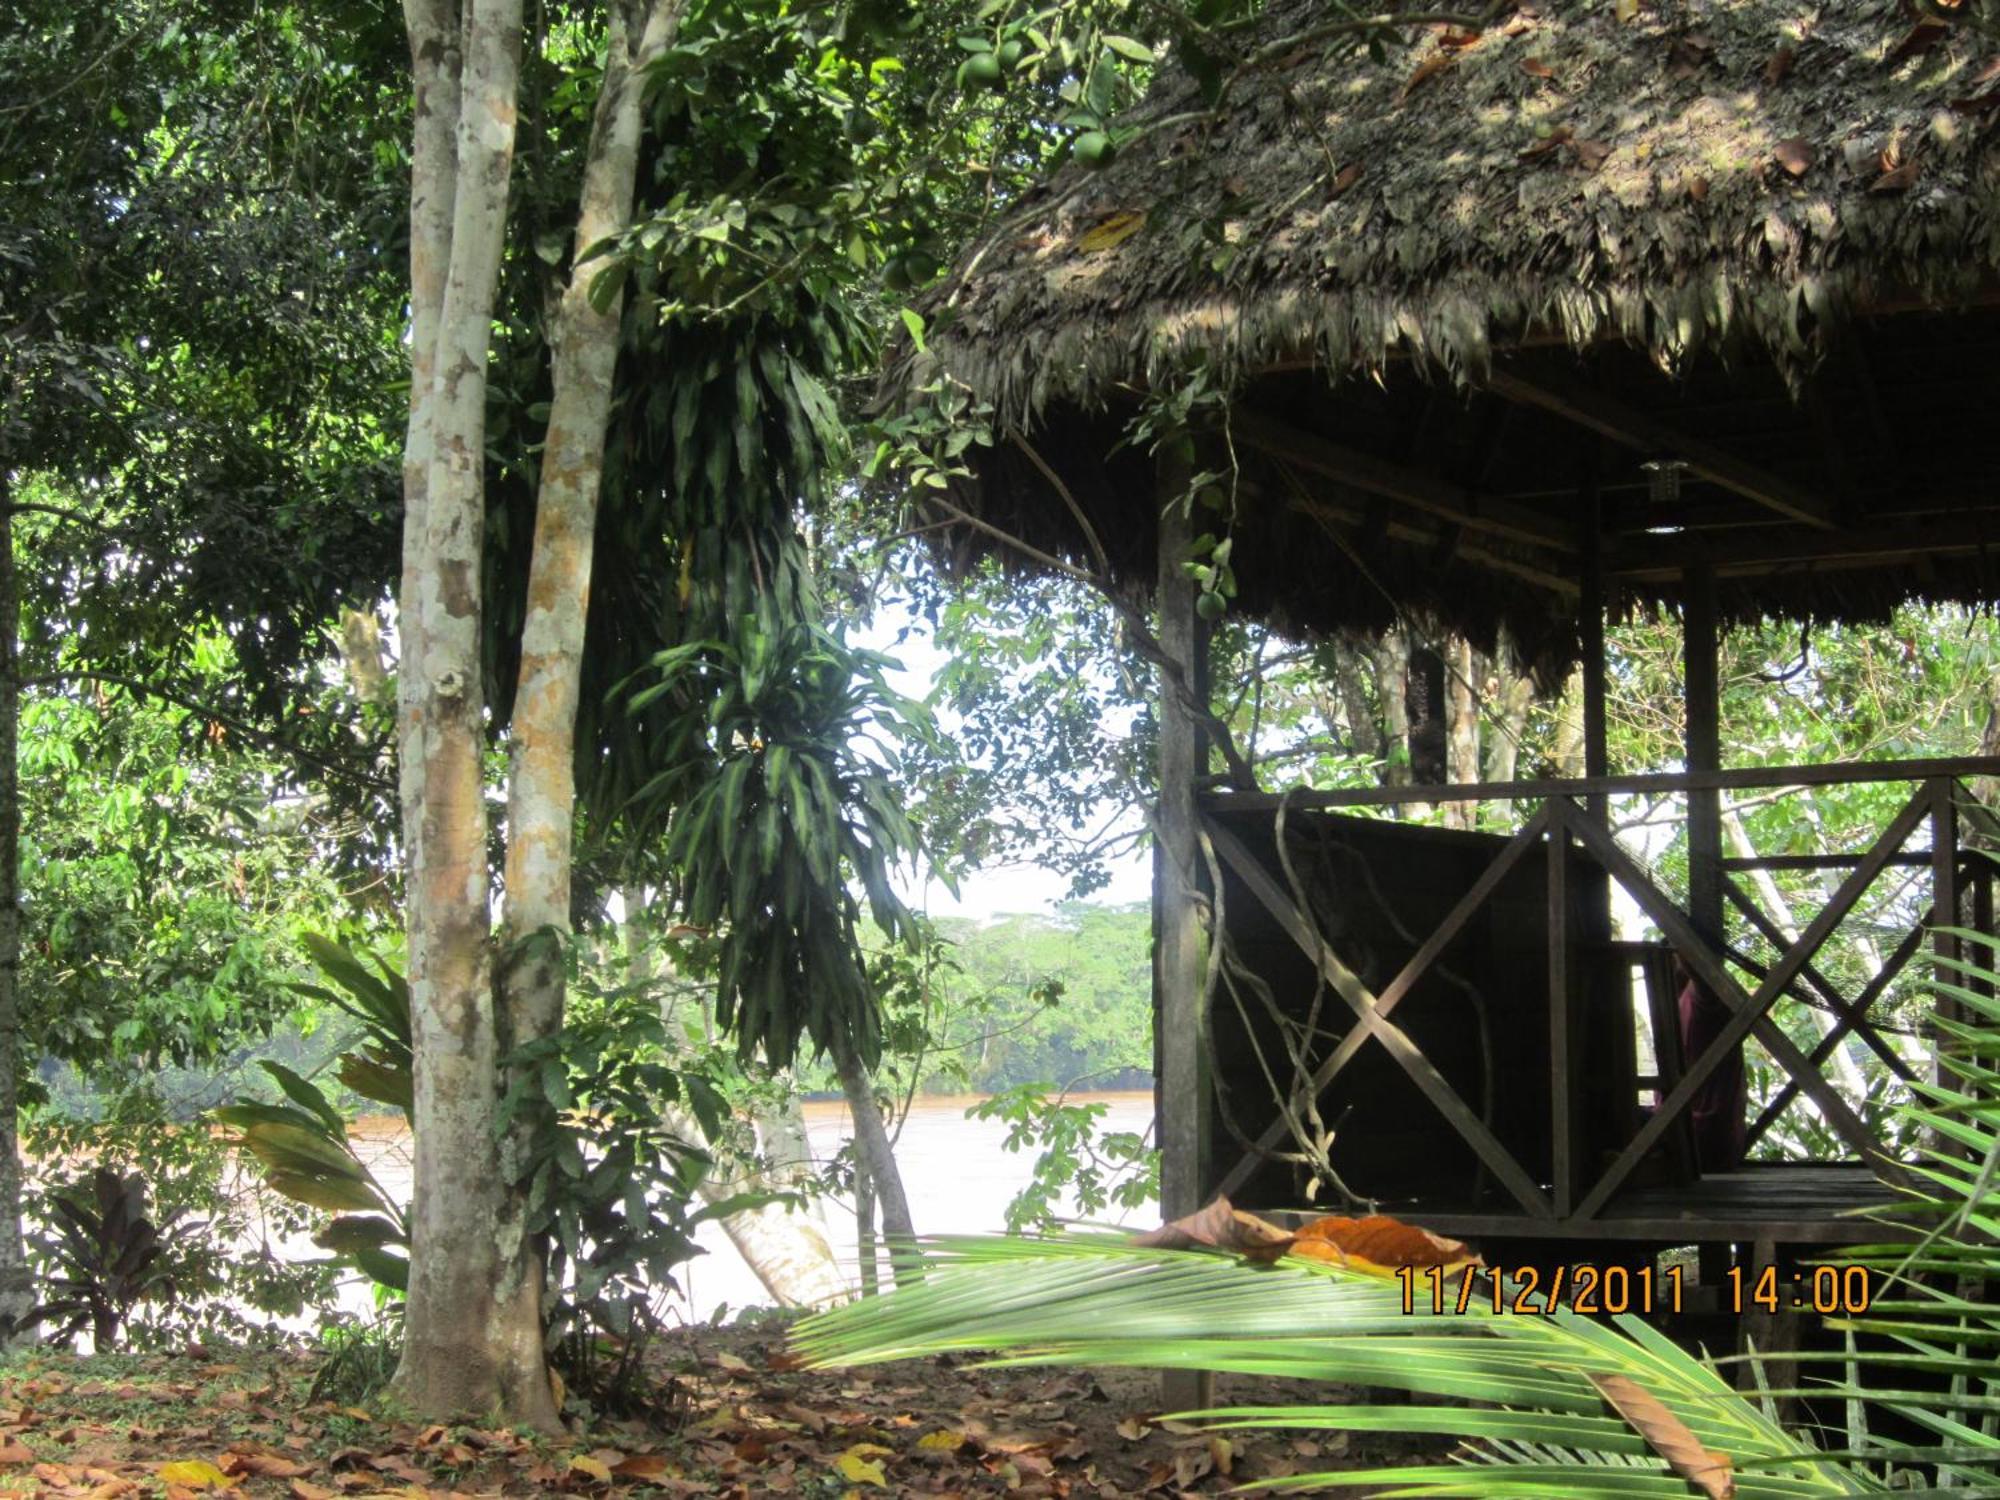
(1578, 315)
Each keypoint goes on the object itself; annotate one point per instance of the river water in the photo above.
(958, 1173)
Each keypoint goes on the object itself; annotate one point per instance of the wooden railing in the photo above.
(1564, 818)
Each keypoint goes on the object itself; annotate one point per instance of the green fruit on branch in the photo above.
(1011, 53)
(981, 70)
(1095, 149)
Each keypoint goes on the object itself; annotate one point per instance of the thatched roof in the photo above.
(1741, 194)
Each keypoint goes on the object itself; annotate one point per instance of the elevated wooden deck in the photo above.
(1799, 1203)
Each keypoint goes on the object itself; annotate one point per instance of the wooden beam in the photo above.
(1377, 521)
(1562, 1065)
(1181, 1090)
(1660, 559)
(1701, 645)
(1392, 994)
(1590, 627)
(1345, 983)
(1611, 418)
(1380, 476)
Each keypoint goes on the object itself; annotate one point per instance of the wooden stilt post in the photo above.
(1701, 665)
(1178, 947)
(1590, 630)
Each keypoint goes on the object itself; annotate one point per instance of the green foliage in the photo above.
(791, 804)
(1075, 1160)
(1533, 1420)
(164, 894)
(357, 1360)
(105, 1255)
(223, 1262)
(302, 1143)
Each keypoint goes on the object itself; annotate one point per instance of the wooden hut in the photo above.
(1698, 311)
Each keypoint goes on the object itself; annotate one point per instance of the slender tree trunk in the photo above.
(864, 1231)
(1568, 749)
(17, 1293)
(1516, 695)
(1392, 675)
(1461, 697)
(541, 789)
(788, 1248)
(473, 1325)
(875, 1154)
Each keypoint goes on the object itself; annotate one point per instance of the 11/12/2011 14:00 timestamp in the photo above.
(1530, 1290)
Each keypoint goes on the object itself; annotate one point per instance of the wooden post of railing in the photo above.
(1590, 630)
(1944, 893)
(1562, 1112)
(1701, 648)
(1181, 1087)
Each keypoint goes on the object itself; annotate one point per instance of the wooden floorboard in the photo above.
(1789, 1203)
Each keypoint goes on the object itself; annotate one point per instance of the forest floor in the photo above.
(739, 1422)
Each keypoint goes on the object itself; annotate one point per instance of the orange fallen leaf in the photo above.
(301, 1490)
(1428, 69)
(1380, 1245)
(1669, 1436)
(12, 1452)
(1534, 67)
(1346, 178)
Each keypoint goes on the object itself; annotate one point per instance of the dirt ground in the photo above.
(740, 1422)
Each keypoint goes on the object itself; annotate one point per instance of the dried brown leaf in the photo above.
(1794, 155)
(1535, 67)
(1590, 155)
(1346, 178)
(1668, 1435)
(1428, 69)
(1920, 38)
(1223, 1227)
(1560, 136)
(1896, 179)
(1780, 65)
(1697, 187)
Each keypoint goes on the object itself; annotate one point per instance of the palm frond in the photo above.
(1083, 1299)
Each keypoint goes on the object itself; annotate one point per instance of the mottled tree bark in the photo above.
(473, 1324)
(17, 1292)
(541, 794)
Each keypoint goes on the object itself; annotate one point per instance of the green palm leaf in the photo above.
(1093, 1300)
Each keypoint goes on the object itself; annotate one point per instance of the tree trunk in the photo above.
(1461, 697)
(473, 1322)
(541, 788)
(1515, 697)
(1392, 673)
(1568, 749)
(873, 1151)
(788, 1248)
(17, 1292)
